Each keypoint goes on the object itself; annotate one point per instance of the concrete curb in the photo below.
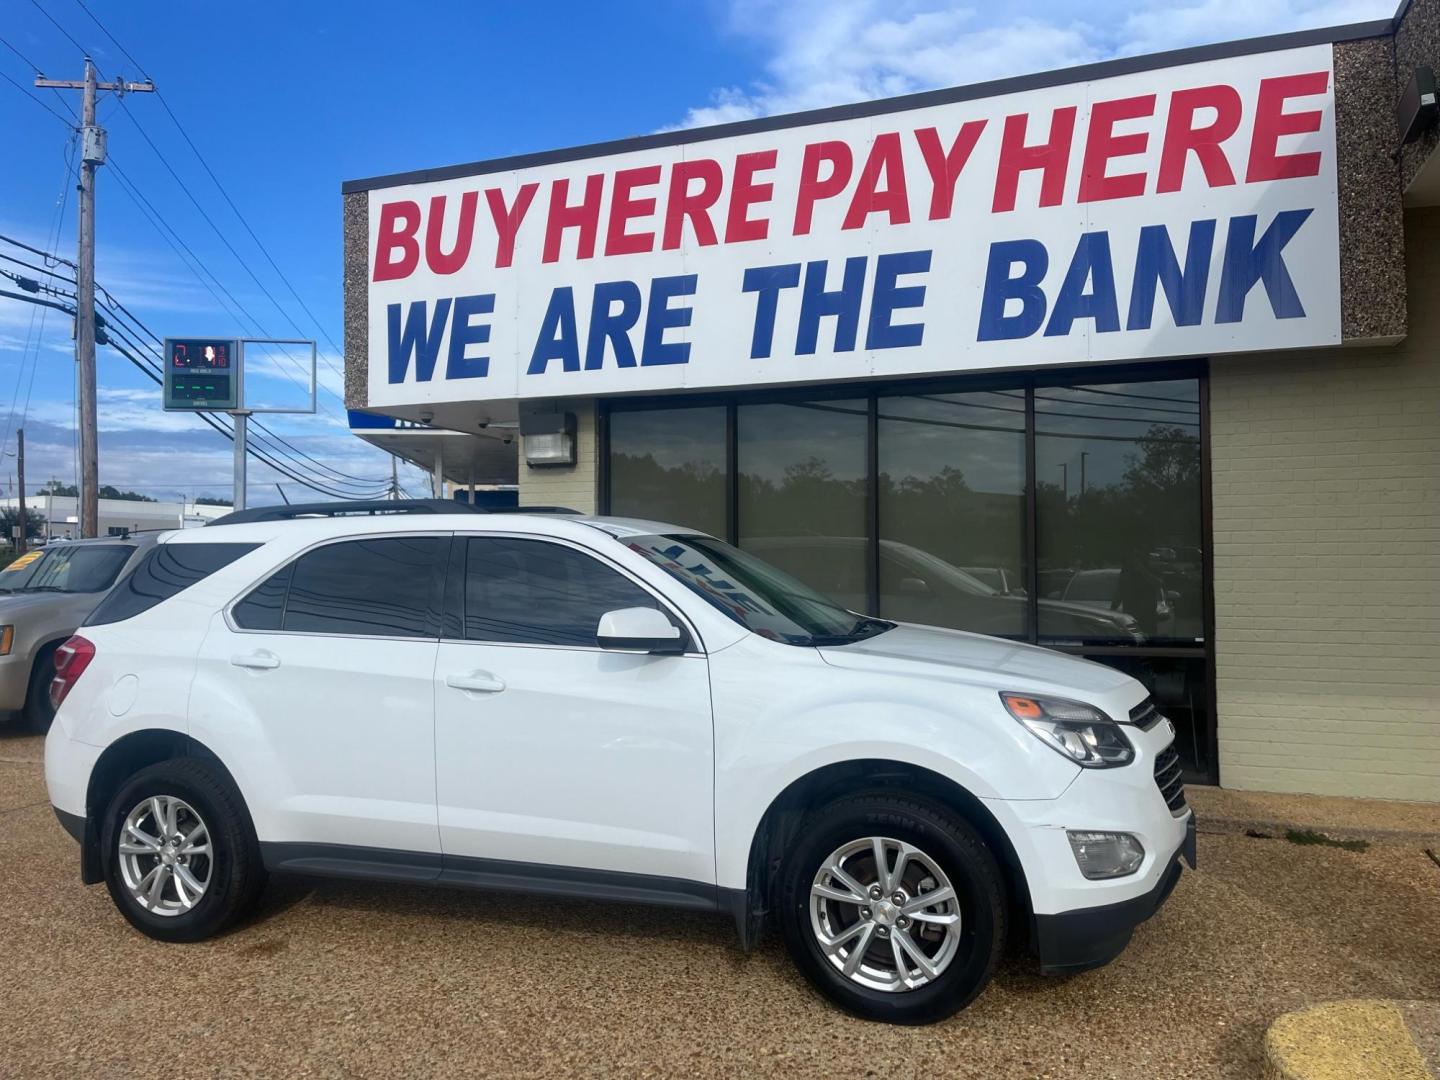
(1349, 1040)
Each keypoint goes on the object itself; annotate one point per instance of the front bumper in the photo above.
(14, 682)
(1074, 941)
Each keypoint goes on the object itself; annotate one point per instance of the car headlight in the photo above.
(7, 639)
(1072, 729)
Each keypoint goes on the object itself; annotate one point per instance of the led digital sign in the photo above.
(201, 373)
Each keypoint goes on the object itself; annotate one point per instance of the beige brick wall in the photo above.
(1326, 494)
(575, 487)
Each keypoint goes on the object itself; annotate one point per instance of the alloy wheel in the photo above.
(165, 855)
(885, 914)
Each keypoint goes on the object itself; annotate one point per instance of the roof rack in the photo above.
(372, 508)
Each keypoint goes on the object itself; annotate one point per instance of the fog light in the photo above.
(1102, 855)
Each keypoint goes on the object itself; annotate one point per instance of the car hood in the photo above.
(45, 604)
(935, 652)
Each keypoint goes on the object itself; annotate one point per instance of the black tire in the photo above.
(38, 712)
(960, 853)
(236, 874)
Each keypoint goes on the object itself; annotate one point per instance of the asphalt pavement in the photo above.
(342, 979)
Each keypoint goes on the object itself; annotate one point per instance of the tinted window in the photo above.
(952, 497)
(534, 593)
(164, 571)
(384, 587)
(669, 464)
(1117, 492)
(80, 568)
(264, 607)
(802, 476)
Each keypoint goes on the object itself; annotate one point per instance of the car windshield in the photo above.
(78, 568)
(20, 571)
(755, 594)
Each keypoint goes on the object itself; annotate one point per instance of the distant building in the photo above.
(117, 516)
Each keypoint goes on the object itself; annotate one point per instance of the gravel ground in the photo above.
(339, 979)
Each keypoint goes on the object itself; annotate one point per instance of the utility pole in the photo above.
(20, 544)
(394, 478)
(92, 156)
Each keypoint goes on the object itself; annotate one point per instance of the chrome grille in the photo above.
(1167, 779)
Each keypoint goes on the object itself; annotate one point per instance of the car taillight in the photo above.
(71, 660)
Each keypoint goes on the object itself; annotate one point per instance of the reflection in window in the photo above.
(952, 510)
(669, 465)
(1117, 471)
(381, 588)
(529, 592)
(1179, 689)
(802, 493)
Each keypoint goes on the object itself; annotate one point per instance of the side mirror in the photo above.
(639, 629)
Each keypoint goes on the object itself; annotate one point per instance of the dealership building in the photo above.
(1139, 361)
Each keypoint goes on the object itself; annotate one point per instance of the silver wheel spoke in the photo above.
(144, 838)
(904, 943)
(882, 863)
(948, 918)
(843, 896)
(857, 951)
(157, 811)
(832, 945)
(901, 971)
(897, 876)
(835, 871)
(184, 880)
(932, 898)
(157, 887)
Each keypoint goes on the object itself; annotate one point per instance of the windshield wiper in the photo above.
(865, 627)
(42, 588)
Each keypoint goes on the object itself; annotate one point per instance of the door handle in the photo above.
(260, 661)
(481, 682)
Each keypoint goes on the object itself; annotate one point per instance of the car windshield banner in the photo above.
(1185, 211)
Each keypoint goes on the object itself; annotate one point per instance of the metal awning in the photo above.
(462, 458)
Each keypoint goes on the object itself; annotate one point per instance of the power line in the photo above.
(270, 440)
(23, 58)
(205, 164)
(194, 201)
(38, 101)
(113, 40)
(66, 33)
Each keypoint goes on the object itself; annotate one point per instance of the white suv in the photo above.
(615, 709)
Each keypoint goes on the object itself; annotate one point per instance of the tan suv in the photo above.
(41, 604)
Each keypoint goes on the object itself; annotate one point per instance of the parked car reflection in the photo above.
(920, 587)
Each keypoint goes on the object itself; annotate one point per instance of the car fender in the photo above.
(780, 717)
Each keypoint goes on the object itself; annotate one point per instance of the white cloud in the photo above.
(830, 52)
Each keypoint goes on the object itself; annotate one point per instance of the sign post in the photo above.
(208, 375)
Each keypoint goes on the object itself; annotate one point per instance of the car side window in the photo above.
(264, 606)
(384, 587)
(530, 592)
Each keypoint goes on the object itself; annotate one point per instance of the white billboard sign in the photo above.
(1185, 211)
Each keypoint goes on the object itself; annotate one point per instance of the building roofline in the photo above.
(995, 88)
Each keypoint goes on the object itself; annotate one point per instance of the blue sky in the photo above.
(286, 100)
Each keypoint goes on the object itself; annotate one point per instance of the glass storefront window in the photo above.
(802, 493)
(669, 465)
(952, 510)
(1114, 566)
(1118, 500)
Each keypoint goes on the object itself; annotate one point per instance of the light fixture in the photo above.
(549, 439)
